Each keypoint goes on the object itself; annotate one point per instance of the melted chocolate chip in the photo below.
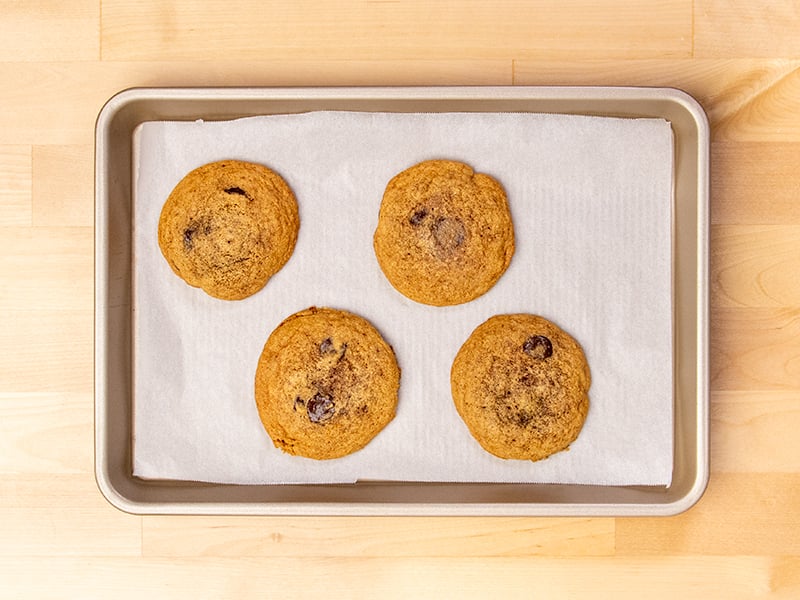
(522, 418)
(513, 414)
(327, 347)
(538, 346)
(418, 216)
(298, 402)
(195, 229)
(236, 190)
(320, 408)
(188, 234)
(448, 233)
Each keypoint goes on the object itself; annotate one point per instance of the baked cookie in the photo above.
(326, 383)
(444, 233)
(229, 226)
(521, 386)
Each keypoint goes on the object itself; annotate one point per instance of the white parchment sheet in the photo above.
(591, 200)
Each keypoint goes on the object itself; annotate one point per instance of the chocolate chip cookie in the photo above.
(444, 233)
(521, 386)
(228, 226)
(326, 383)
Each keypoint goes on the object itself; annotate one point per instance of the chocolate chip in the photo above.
(298, 402)
(418, 216)
(538, 346)
(448, 233)
(522, 418)
(236, 190)
(320, 408)
(188, 234)
(327, 347)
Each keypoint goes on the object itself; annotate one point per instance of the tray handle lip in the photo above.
(700, 483)
(444, 92)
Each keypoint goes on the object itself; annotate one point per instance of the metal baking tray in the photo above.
(113, 307)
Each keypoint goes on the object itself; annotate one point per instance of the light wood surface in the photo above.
(60, 61)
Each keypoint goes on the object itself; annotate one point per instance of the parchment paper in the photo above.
(591, 200)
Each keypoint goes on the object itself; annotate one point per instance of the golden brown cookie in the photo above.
(326, 383)
(521, 386)
(444, 233)
(229, 226)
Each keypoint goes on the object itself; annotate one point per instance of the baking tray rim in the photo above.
(118, 102)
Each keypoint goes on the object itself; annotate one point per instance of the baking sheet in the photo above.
(591, 202)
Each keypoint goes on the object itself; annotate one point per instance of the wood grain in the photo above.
(755, 265)
(57, 267)
(46, 433)
(755, 432)
(358, 537)
(691, 577)
(755, 349)
(15, 186)
(768, 115)
(747, 514)
(46, 350)
(63, 186)
(755, 183)
(49, 30)
(57, 103)
(80, 523)
(59, 63)
(760, 29)
(242, 29)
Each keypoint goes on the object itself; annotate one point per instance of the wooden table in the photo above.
(59, 62)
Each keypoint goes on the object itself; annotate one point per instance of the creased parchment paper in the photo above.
(591, 202)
